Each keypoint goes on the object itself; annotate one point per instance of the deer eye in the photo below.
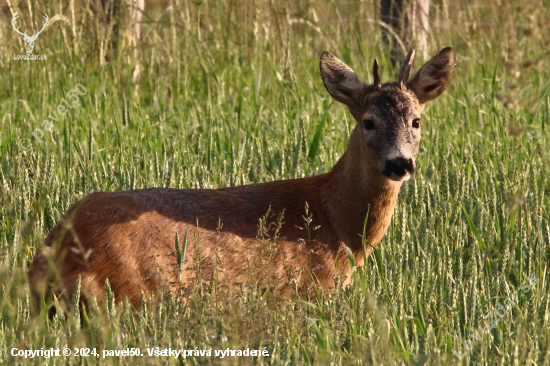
(368, 124)
(416, 123)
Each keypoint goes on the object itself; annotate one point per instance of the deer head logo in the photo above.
(29, 40)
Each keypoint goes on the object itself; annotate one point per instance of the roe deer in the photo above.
(129, 237)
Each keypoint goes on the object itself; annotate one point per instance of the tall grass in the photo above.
(230, 94)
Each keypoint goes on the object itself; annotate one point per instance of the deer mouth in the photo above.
(398, 178)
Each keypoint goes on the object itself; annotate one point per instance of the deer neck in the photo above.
(354, 190)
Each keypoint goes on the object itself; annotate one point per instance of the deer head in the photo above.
(387, 134)
(29, 40)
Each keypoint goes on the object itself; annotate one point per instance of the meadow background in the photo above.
(229, 94)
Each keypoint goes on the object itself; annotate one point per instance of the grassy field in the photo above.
(230, 94)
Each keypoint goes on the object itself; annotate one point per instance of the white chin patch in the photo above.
(403, 178)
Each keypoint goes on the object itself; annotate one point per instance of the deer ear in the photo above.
(433, 78)
(340, 80)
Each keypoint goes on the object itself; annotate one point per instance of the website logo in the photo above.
(29, 40)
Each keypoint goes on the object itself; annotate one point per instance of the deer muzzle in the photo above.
(399, 169)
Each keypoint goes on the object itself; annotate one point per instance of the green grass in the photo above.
(230, 94)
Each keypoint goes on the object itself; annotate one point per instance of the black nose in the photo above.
(399, 167)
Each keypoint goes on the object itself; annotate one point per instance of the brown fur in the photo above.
(129, 237)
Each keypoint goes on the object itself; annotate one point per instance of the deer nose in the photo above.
(398, 167)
